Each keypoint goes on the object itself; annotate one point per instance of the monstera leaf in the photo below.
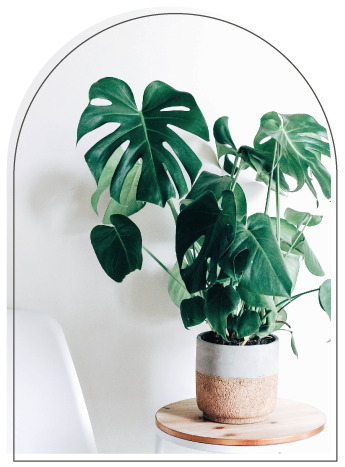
(208, 181)
(248, 323)
(220, 302)
(265, 272)
(203, 218)
(118, 248)
(147, 131)
(260, 161)
(299, 137)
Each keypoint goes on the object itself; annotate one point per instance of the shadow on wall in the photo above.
(60, 200)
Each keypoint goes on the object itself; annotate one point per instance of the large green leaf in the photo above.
(192, 311)
(299, 218)
(129, 204)
(325, 297)
(220, 302)
(203, 218)
(208, 181)
(299, 138)
(265, 272)
(118, 248)
(147, 131)
(176, 287)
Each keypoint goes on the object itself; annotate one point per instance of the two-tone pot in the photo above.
(236, 384)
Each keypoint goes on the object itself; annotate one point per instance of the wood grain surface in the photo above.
(290, 421)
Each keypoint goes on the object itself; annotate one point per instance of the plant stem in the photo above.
(236, 177)
(234, 166)
(278, 205)
(164, 267)
(271, 178)
(173, 209)
(289, 300)
(296, 240)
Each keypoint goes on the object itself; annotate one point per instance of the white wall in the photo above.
(130, 349)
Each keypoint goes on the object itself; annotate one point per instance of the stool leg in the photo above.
(159, 445)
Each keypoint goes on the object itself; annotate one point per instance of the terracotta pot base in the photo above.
(234, 421)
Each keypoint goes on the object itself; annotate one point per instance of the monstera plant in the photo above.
(234, 271)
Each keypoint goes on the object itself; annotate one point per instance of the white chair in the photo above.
(50, 412)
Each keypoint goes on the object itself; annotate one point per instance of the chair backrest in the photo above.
(50, 410)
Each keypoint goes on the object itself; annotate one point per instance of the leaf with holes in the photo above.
(203, 218)
(299, 138)
(146, 130)
(118, 248)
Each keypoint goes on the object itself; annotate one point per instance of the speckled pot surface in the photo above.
(236, 384)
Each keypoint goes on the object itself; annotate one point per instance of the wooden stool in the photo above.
(182, 423)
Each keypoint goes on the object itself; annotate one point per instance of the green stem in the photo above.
(237, 174)
(271, 178)
(173, 209)
(297, 238)
(289, 300)
(164, 267)
(234, 166)
(278, 204)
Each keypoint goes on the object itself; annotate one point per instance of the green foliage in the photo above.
(325, 297)
(220, 302)
(192, 311)
(176, 287)
(217, 184)
(299, 137)
(203, 218)
(147, 131)
(236, 272)
(118, 248)
(265, 272)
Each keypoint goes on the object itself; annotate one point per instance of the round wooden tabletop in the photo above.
(290, 421)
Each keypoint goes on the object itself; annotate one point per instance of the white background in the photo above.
(131, 352)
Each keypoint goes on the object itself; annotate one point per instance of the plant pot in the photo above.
(236, 384)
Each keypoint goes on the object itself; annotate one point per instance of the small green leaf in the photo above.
(281, 316)
(311, 261)
(221, 132)
(325, 297)
(192, 311)
(298, 218)
(176, 288)
(118, 248)
(220, 302)
(248, 323)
